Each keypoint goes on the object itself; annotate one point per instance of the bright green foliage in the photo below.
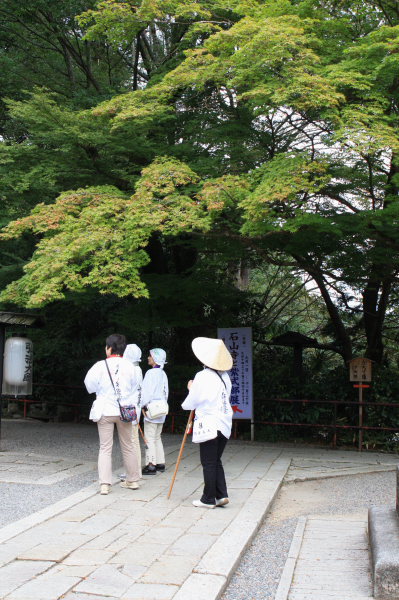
(96, 237)
(121, 21)
(255, 59)
(279, 189)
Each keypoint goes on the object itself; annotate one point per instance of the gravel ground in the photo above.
(50, 439)
(259, 571)
(74, 441)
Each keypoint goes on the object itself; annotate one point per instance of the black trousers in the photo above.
(215, 482)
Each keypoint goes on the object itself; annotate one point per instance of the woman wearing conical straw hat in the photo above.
(209, 396)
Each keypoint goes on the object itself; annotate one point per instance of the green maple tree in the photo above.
(278, 125)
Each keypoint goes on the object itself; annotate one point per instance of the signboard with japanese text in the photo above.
(360, 369)
(239, 343)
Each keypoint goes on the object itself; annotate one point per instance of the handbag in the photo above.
(204, 429)
(127, 413)
(157, 408)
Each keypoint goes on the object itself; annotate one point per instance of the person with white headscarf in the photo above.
(209, 396)
(155, 387)
(133, 355)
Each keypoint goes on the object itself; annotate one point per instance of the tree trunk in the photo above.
(69, 66)
(379, 284)
(375, 302)
(342, 335)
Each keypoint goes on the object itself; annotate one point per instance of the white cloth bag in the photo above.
(157, 408)
(204, 429)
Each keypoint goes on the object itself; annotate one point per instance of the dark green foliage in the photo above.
(169, 167)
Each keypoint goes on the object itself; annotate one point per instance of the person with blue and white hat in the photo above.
(155, 390)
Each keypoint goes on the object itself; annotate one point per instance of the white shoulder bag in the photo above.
(157, 408)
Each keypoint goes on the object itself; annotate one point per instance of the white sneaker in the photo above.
(202, 504)
(104, 489)
(222, 502)
(131, 485)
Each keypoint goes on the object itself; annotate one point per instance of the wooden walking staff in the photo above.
(142, 435)
(141, 431)
(188, 428)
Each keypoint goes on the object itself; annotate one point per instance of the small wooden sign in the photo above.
(360, 369)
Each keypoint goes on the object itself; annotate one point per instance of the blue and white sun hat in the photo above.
(159, 356)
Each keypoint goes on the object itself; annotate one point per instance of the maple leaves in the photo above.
(97, 236)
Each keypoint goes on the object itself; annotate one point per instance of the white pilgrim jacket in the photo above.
(98, 381)
(155, 387)
(209, 397)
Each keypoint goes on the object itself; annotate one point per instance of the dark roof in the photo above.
(11, 318)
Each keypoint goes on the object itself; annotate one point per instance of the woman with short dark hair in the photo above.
(117, 343)
(115, 376)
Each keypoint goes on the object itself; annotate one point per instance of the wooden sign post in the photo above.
(360, 371)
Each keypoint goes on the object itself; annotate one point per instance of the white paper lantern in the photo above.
(18, 366)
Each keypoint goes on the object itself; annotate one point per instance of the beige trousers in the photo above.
(106, 434)
(155, 453)
(136, 445)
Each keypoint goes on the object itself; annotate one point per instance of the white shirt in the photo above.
(155, 387)
(98, 381)
(136, 393)
(209, 396)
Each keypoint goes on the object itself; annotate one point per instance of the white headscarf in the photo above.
(159, 356)
(133, 353)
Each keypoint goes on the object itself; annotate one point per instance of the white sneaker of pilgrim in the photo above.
(200, 504)
(104, 489)
(222, 502)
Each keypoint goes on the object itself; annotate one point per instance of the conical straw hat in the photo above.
(212, 353)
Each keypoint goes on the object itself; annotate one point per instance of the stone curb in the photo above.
(9, 531)
(210, 578)
(289, 567)
(383, 522)
(348, 472)
(16, 527)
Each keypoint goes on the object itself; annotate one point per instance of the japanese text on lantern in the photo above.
(239, 343)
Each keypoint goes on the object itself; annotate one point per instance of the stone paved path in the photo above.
(137, 544)
(328, 560)
(311, 463)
